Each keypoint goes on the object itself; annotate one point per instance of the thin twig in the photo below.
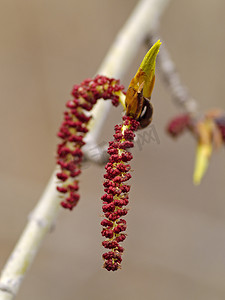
(179, 91)
(141, 23)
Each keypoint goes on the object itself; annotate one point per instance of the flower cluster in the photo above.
(74, 128)
(209, 131)
(116, 192)
(184, 122)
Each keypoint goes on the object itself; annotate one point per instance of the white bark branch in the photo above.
(141, 23)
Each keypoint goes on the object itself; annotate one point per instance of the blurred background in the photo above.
(176, 232)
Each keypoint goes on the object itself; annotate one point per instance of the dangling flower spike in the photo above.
(116, 197)
(74, 128)
(138, 115)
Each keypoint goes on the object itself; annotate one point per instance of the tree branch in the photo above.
(179, 91)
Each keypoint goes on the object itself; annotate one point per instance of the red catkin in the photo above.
(73, 129)
(178, 125)
(116, 197)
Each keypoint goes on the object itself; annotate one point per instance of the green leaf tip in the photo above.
(202, 161)
(148, 63)
(146, 72)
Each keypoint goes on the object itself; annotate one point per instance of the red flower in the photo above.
(74, 128)
(178, 125)
(116, 192)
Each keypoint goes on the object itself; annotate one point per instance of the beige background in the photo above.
(176, 244)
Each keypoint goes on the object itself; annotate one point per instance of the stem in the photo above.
(140, 24)
(40, 222)
(180, 93)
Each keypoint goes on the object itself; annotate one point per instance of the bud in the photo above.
(140, 89)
